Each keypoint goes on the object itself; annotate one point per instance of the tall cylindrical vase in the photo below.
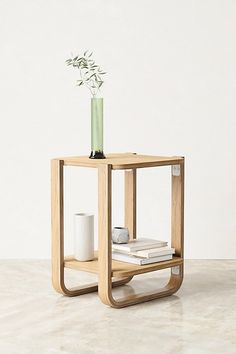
(97, 128)
(83, 237)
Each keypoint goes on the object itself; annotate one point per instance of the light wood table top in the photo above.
(123, 161)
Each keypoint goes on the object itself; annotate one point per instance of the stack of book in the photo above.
(142, 251)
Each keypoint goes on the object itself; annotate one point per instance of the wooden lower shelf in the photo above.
(120, 269)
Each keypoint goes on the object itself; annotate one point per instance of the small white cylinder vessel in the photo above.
(84, 236)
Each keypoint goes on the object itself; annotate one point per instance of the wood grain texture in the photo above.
(57, 219)
(57, 224)
(177, 212)
(130, 202)
(122, 161)
(104, 233)
(120, 269)
(177, 222)
(106, 268)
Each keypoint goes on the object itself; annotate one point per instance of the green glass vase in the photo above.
(97, 128)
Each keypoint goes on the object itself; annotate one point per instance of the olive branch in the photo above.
(90, 73)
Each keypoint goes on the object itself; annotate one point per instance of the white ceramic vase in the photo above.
(84, 236)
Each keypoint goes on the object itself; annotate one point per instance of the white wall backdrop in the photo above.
(170, 90)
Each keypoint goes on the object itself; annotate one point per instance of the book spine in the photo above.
(139, 261)
(153, 254)
(119, 257)
(155, 260)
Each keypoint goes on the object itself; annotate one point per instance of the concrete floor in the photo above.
(199, 319)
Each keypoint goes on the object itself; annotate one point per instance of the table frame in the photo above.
(105, 281)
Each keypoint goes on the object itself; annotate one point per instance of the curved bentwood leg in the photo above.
(58, 278)
(105, 262)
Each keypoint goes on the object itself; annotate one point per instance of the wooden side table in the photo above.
(113, 273)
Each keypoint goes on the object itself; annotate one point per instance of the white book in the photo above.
(154, 252)
(138, 244)
(117, 256)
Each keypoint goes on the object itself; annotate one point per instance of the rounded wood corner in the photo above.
(176, 283)
(106, 295)
(172, 286)
(176, 280)
(62, 289)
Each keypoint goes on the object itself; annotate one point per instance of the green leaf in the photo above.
(92, 75)
(79, 82)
